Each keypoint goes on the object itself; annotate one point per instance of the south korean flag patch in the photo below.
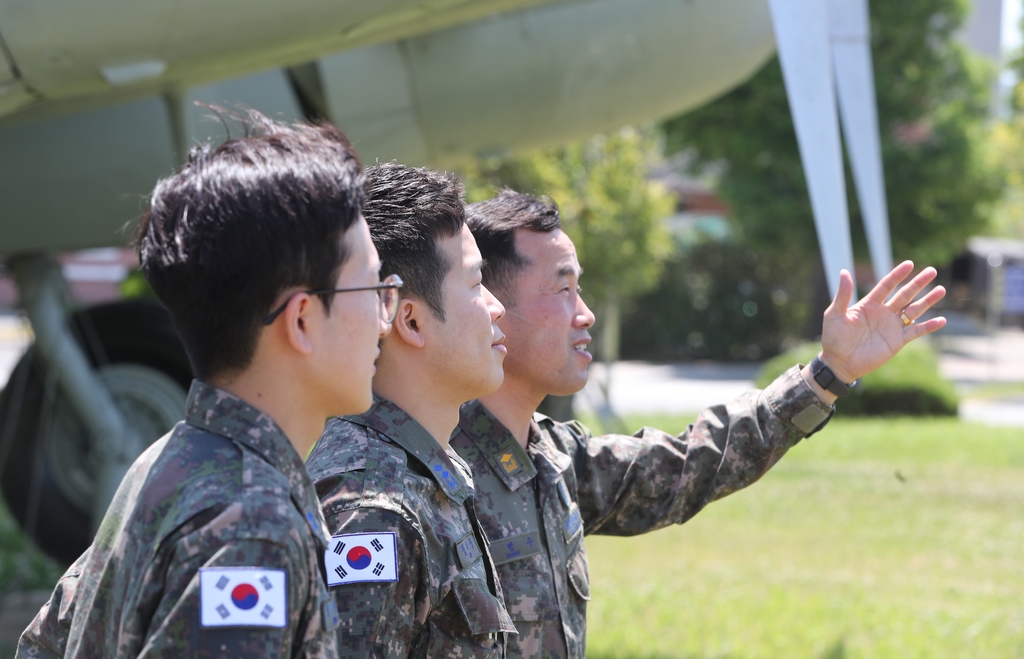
(242, 597)
(361, 558)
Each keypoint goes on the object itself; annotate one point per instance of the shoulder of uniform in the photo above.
(205, 488)
(413, 494)
(195, 471)
(572, 431)
(265, 510)
(346, 447)
(543, 420)
(257, 531)
(371, 519)
(377, 512)
(356, 467)
(578, 430)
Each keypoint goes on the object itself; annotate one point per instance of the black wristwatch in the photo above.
(824, 376)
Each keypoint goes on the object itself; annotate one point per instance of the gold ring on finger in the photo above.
(905, 319)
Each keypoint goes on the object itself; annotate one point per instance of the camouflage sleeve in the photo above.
(47, 634)
(631, 485)
(178, 631)
(383, 619)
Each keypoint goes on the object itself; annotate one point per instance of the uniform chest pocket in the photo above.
(528, 588)
(467, 623)
(483, 612)
(578, 571)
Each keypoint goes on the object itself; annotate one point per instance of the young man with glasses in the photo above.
(388, 295)
(408, 563)
(542, 485)
(212, 544)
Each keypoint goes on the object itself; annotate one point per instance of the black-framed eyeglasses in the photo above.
(387, 292)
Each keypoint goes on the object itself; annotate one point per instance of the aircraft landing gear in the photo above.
(94, 390)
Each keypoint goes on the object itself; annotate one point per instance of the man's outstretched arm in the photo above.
(630, 485)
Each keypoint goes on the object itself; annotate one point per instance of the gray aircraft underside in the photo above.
(97, 101)
(93, 122)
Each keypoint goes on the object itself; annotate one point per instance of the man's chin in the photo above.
(569, 388)
(492, 384)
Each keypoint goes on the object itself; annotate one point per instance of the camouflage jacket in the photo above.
(536, 504)
(224, 495)
(432, 591)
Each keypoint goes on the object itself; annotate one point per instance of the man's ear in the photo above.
(297, 318)
(409, 323)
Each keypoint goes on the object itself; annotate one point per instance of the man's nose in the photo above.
(496, 307)
(584, 317)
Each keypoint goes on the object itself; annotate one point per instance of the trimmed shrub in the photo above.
(714, 301)
(910, 384)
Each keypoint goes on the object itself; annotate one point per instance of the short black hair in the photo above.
(494, 223)
(239, 224)
(408, 210)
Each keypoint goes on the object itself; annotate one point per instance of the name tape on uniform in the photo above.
(361, 558)
(242, 597)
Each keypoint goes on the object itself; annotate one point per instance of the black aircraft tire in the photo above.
(136, 350)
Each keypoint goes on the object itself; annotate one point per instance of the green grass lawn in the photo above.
(875, 538)
(896, 538)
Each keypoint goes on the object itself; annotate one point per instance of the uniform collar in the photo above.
(541, 444)
(394, 423)
(215, 410)
(497, 445)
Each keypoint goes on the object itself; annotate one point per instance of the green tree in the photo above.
(932, 104)
(1008, 151)
(712, 302)
(609, 207)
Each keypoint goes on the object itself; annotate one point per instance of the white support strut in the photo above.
(805, 53)
(855, 87)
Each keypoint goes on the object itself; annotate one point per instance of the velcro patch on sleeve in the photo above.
(243, 597)
(361, 558)
(809, 418)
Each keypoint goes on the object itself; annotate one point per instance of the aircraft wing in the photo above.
(74, 170)
(94, 52)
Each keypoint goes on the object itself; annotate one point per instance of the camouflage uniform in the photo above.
(609, 485)
(224, 489)
(383, 472)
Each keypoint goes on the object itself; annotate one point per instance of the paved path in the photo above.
(971, 361)
(646, 388)
(975, 363)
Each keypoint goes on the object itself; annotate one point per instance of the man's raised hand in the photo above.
(859, 339)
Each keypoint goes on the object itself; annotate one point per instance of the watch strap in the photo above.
(824, 376)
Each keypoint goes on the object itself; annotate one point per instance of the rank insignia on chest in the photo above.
(509, 463)
(361, 558)
(242, 597)
(443, 473)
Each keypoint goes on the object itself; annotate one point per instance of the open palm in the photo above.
(859, 339)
